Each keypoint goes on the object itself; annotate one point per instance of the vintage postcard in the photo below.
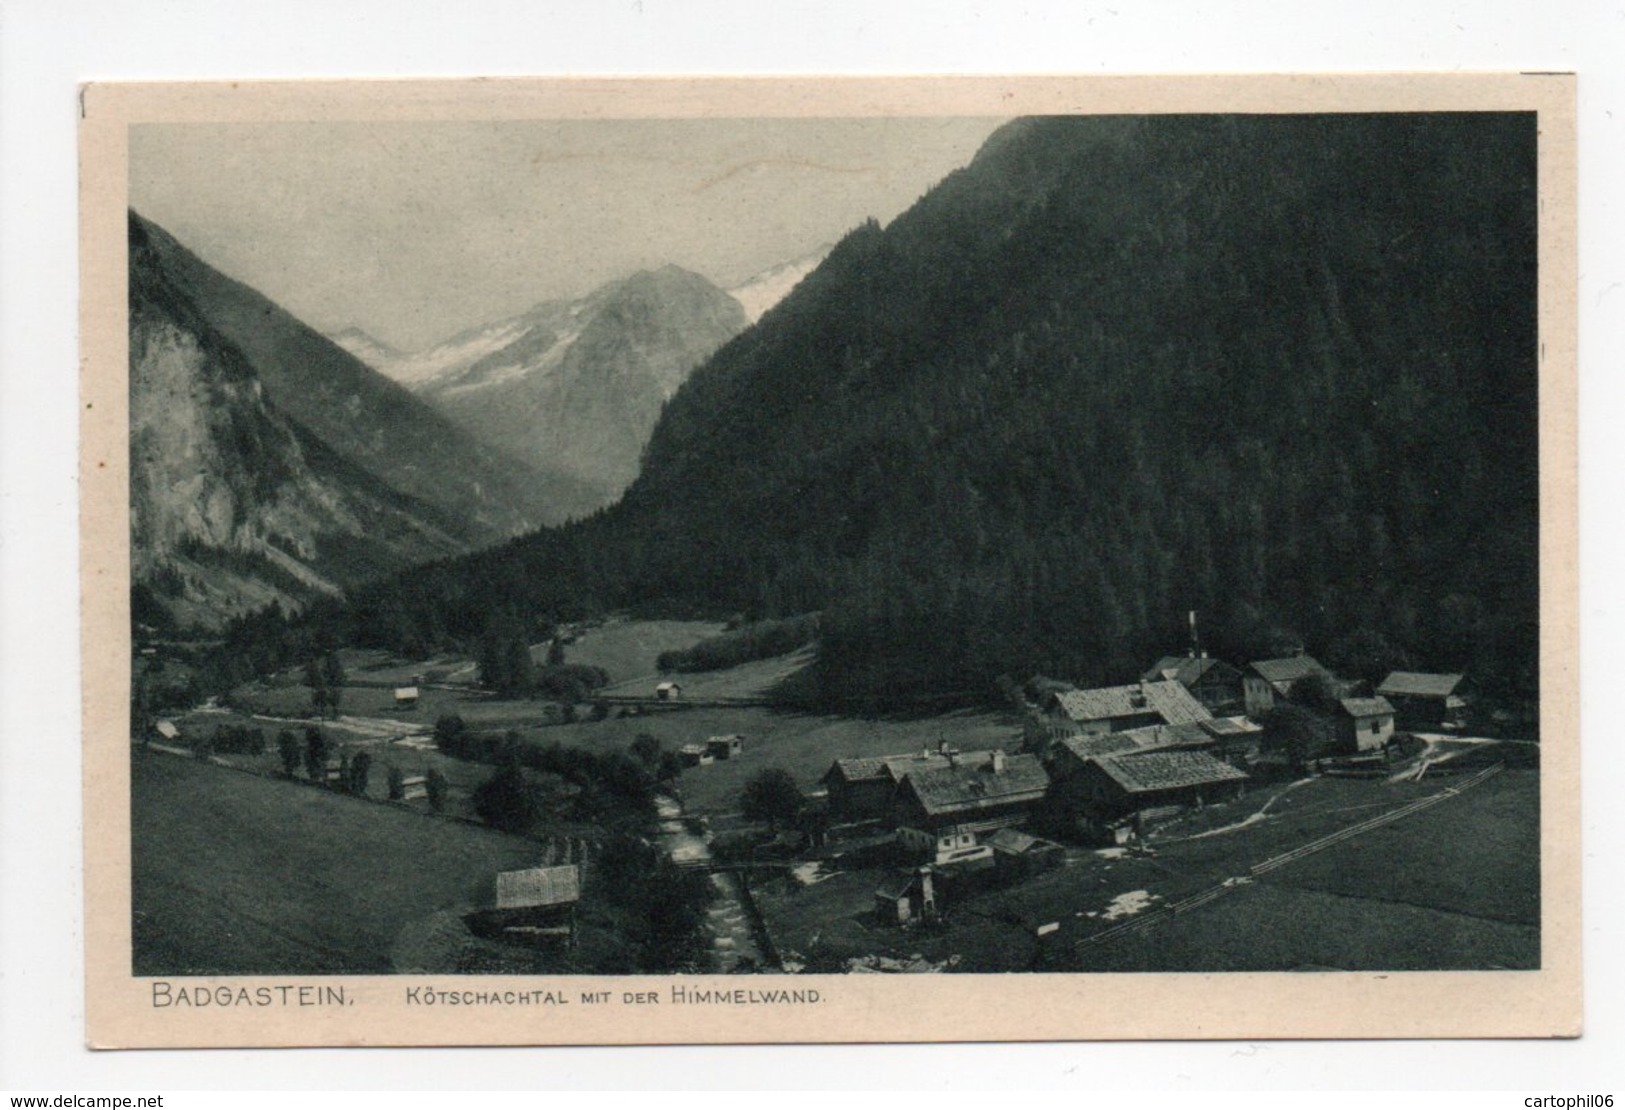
(829, 560)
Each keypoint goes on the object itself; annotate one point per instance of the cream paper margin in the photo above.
(852, 1009)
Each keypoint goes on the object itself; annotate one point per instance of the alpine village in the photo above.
(1123, 559)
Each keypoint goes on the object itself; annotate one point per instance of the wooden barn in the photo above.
(1426, 701)
(534, 904)
(406, 697)
(668, 691)
(695, 755)
(1365, 724)
(1156, 783)
(859, 790)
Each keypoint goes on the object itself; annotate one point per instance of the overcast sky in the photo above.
(416, 231)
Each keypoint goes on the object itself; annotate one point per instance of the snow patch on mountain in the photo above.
(764, 290)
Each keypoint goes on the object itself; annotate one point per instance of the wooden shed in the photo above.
(906, 895)
(1365, 724)
(725, 747)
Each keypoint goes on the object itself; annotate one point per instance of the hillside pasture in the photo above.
(237, 874)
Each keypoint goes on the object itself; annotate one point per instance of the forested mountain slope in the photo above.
(1278, 369)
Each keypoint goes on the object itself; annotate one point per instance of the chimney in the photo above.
(997, 761)
(1196, 644)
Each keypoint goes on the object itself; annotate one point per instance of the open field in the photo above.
(748, 680)
(627, 649)
(236, 874)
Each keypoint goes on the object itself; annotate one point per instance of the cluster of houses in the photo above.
(1109, 760)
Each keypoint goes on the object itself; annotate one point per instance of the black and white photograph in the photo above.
(758, 551)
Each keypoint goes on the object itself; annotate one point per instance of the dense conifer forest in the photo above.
(1281, 370)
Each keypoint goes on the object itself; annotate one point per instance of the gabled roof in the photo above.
(1367, 707)
(406, 691)
(1187, 670)
(895, 768)
(972, 786)
(538, 886)
(1282, 673)
(896, 885)
(167, 730)
(1144, 772)
(851, 770)
(1415, 684)
(1168, 699)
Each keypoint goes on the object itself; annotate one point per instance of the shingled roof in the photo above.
(896, 767)
(1168, 699)
(538, 886)
(1145, 772)
(973, 786)
(1367, 707)
(1282, 673)
(1415, 684)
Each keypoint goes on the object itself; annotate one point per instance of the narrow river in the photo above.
(733, 941)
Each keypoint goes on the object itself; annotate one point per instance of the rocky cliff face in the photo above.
(367, 420)
(233, 504)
